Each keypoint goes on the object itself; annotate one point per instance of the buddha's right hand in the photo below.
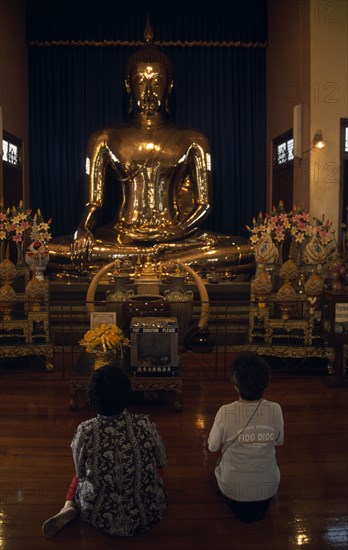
(81, 248)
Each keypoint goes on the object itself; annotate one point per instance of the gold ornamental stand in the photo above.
(24, 327)
(25, 350)
(300, 337)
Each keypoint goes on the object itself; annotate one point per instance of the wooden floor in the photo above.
(310, 510)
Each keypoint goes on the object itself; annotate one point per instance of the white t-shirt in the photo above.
(248, 470)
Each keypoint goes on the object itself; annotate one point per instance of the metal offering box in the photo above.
(154, 346)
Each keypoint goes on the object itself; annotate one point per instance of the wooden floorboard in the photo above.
(310, 510)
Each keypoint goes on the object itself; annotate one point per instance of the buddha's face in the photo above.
(149, 85)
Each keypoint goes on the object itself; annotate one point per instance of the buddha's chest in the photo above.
(158, 152)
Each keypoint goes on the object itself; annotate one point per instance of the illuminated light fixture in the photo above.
(318, 140)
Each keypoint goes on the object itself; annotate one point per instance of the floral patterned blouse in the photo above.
(119, 488)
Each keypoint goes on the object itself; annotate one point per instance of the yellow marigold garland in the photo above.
(104, 338)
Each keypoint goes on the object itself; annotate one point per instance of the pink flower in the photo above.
(297, 224)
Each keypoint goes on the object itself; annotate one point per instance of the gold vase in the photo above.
(286, 298)
(102, 358)
(289, 270)
(262, 286)
(265, 251)
(35, 292)
(8, 270)
(314, 285)
(8, 298)
(118, 357)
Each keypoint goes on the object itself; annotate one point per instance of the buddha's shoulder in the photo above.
(106, 132)
(184, 136)
(189, 133)
(125, 132)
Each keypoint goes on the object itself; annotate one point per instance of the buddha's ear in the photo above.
(127, 86)
(129, 94)
(169, 91)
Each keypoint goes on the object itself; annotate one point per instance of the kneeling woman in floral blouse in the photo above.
(117, 487)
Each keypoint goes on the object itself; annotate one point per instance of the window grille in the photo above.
(284, 152)
(11, 151)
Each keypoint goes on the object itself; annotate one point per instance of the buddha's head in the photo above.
(149, 77)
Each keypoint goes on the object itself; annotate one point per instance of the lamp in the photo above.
(317, 143)
(318, 140)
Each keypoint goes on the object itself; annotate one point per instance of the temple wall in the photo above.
(14, 77)
(307, 62)
(329, 102)
(288, 84)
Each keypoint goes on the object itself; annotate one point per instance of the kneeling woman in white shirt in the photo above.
(247, 432)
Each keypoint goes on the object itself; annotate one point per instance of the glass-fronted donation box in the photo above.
(335, 316)
(154, 346)
(335, 329)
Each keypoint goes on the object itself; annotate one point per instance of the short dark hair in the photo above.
(109, 390)
(250, 373)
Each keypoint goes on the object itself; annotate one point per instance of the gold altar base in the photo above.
(17, 330)
(268, 325)
(83, 369)
(26, 332)
(26, 350)
(291, 333)
(292, 352)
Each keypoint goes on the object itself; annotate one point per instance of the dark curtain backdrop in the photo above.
(219, 89)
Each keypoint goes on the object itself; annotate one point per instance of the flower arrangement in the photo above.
(16, 223)
(104, 338)
(40, 230)
(4, 221)
(298, 224)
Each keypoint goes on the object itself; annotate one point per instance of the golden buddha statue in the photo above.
(164, 171)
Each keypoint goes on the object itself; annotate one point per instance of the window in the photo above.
(12, 160)
(284, 152)
(11, 150)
